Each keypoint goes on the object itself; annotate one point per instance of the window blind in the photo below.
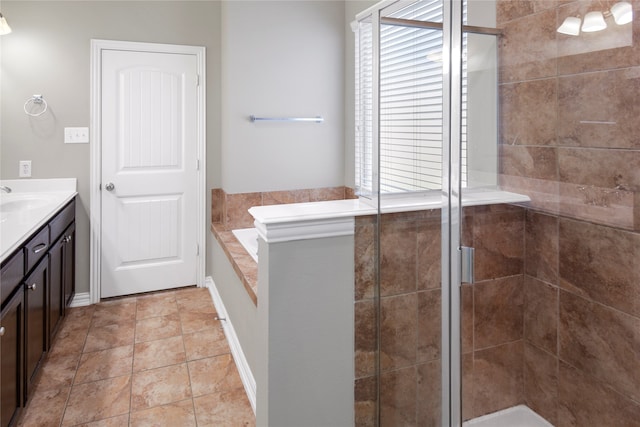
(364, 109)
(410, 104)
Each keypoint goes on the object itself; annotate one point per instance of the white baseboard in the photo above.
(236, 349)
(81, 299)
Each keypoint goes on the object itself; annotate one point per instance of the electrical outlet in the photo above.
(25, 169)
(76, 135)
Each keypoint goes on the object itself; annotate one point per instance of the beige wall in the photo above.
(263, 57)
(48, 54)
(282, 59)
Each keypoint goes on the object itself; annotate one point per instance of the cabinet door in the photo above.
(35, 291)
(56, 287)
(11, 275)
(69, 270)
(11, 329)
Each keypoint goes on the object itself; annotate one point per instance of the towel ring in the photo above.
(35, 100)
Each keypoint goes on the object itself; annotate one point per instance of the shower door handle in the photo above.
(467, 255)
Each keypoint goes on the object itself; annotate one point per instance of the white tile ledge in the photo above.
(303, 230)
(301, 221)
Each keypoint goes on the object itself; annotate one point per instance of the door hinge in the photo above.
(197, 79)
(197, 164)
(197, 250)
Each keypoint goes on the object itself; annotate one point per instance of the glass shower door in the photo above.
(419, 98)
(486, 226)
(541, 114)
(474, 278)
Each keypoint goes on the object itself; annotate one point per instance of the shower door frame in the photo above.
(451, 220)
(451, 211)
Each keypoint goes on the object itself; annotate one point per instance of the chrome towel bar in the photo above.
(317, 119)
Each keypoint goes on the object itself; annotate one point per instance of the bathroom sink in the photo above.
(22, 202)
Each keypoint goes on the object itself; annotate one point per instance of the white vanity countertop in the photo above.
(30, 205)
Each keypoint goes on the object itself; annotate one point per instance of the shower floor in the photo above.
(517, 416)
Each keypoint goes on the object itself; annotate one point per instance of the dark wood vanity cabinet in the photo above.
(69, 271)
(12, 321)
(37, 284)
(36, 287)
(62, 275)
(56, 292)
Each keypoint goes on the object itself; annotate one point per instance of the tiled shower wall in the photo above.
(410, 295)
(570, 140)
(547, 323)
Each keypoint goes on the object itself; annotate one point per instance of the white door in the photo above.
(149, 171)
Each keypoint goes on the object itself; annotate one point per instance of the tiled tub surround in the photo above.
(553, 320)
(244, 265)
(231, 212)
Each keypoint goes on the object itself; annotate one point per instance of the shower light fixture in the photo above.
(570, 26)
(593, 21)
(622, 13)
(4, 27)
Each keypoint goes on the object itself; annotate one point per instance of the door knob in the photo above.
(2, 331)
(32, 287)
(109, 186)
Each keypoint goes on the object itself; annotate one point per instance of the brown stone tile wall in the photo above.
(569, 140)
(555, 310)
(410, 315)
(232, 209)
(581, 321)
(568, 112)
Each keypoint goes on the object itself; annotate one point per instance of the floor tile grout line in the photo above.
(132, 371)
(193, 400)
(73, 380)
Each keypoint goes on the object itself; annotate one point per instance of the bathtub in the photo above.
(248, 237)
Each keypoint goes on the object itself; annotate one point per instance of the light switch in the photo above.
(76, 135)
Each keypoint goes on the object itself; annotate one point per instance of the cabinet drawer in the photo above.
(36, 248)
(11, 276)
(62, 220)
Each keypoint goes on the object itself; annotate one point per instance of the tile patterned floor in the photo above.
(153, 360)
